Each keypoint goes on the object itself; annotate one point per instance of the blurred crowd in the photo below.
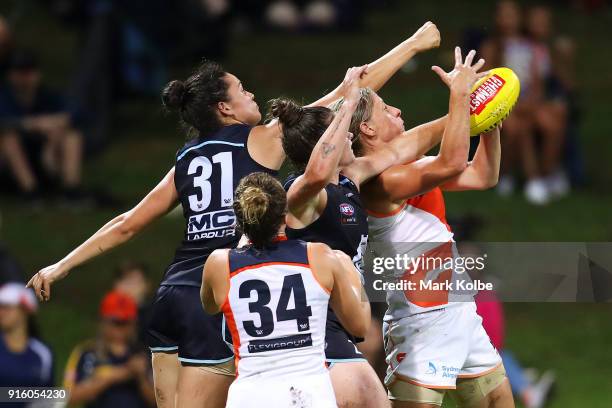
(540, 138)
(110, 369)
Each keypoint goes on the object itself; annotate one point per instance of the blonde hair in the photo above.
(260, 205)
(363, 113)
(254, 203)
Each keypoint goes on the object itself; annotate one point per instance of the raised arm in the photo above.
(336, 273)
(265, 141)
(382, 69)
(407, 180)
(483, 171)
(215, 281)
(308, 189)
(116, 232)
(454, 128)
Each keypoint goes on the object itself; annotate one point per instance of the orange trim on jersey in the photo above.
(490, 370)
(231, 324)
(237, 271)
(433, 203)
(387, 214)
(314, 274)
(413, 382)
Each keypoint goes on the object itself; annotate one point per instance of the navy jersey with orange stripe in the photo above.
(276, 311)
(207, 172)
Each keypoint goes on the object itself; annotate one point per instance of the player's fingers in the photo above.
(482, 74)
(440, 72)
(47, 289)
(36, 287)
(469, 58)
(479, 64)
(30, 282)
(457, 56)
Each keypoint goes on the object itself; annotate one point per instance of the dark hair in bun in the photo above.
(302, 128)
(196, 98)
(173, 94)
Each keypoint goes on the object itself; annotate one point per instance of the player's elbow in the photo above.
(126, 226)
(491, 181)
(361, 327)
(453, 166)
(316, 178)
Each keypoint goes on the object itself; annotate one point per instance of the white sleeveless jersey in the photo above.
(276, 311)
(419, 233)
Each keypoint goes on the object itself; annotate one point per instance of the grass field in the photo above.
(573, 339)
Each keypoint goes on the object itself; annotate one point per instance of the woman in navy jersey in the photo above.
(225, 144)
(279, 345)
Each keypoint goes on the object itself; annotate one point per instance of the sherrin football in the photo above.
(492, 99)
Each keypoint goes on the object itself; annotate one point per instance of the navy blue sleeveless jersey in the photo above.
(284, 251)
(207, 172)
(343, 224)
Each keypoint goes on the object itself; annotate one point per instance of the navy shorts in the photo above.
(179, 324)
(339, 345)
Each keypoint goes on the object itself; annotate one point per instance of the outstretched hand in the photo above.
(464, 74)
(41, 282)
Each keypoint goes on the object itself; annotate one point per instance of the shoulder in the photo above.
(218, 262)
(319, 252)
(41, 350)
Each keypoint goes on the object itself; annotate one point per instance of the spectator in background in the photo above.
(24, 360)
(131, 279)
(111, 371)
(554, 61)
(34, 119)
(510, 47)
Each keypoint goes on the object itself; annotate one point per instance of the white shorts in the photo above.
(296, 392)
(433, 349)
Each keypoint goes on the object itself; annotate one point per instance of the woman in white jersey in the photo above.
(279, 343)
(433, 342)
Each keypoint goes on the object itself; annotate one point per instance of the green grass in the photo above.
(572, 339)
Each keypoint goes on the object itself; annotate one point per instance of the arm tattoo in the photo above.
(327, 149)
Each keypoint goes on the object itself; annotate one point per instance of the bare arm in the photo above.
(265, 141)
(336, 273)
(215, 281)
(116, 232)
(308, 189)
(483, 171)
(348, 299)
(455, 144)
(381, 70)
(411, 146)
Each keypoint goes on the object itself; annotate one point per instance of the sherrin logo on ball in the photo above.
(492, 99)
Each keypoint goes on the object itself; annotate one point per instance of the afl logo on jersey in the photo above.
(347, 209)
(347, 214)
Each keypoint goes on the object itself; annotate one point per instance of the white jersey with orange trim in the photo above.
(276, 311)
(419, 234)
